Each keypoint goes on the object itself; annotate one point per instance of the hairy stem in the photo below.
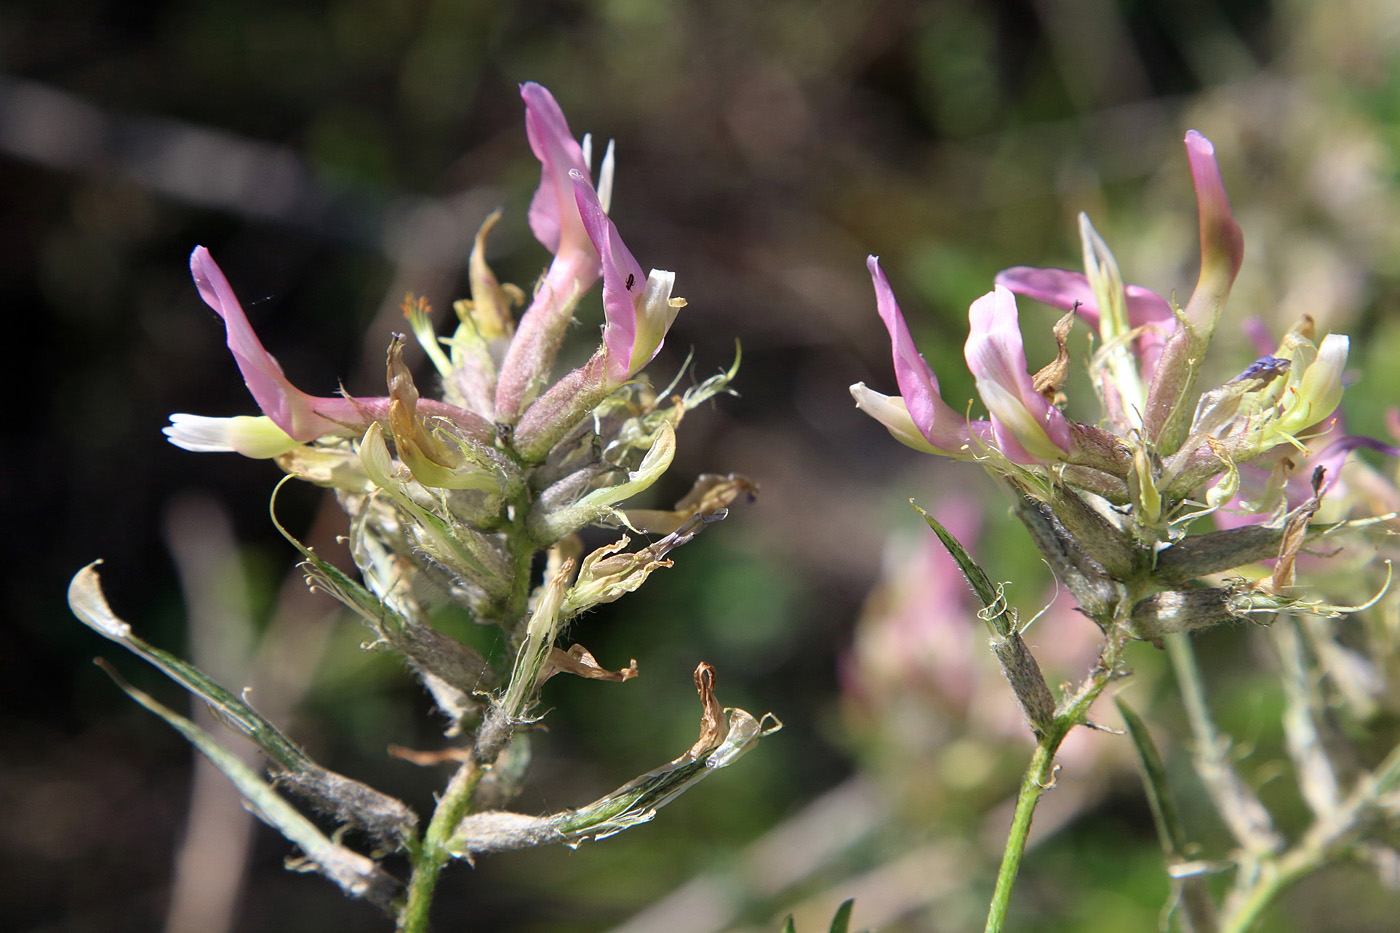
(431, 856)
(1040, 774)
(1241, 810)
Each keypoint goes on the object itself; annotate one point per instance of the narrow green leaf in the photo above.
(90, 605)
(356, 874)
(789, 925)
(332, 580)
(842, 921)
(998, 614)
(347, 800)
(1154, 779)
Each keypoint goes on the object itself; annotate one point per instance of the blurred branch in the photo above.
(212, 864)
(1238, 806)
(247, 178)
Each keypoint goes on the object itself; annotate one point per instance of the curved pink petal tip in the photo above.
(623, 278)
(553, 217)
(1222, 242)
(1025, 421)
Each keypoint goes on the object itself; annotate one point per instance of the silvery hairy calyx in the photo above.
(451, 501)
(1174, 508)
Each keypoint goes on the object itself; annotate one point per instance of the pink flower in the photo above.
(303, 417)
(297, 415)
(1028, 427)
(919, 408)
(638, 308)
(555, 220)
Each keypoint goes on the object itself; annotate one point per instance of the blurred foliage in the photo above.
(764, 149)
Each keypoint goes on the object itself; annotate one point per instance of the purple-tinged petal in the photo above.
(1334, 455)
(997, 358)
(290, 409)
(1058, 288)
(555, 220)
(942, 427)
(301, 416)
(1222, 243)
(1070, 291)
(917, 382)
(637, 306)
(553, 215)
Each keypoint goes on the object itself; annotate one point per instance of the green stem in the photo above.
(433, 856)
(1238, 806)
(1040, 774)
(1272, 878)
(1037, 778)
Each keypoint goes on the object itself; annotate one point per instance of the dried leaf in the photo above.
(1295, 532)
(1051, 379)
(713, 727)
(579, 662)
(721, 744)
(357, 875)
(711, 493)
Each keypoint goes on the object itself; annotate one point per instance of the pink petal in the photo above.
(623, 278)
(288, 407)
(939, 424)
(996, 356)
(1222, 243)
(1060, 288)
(553, 215)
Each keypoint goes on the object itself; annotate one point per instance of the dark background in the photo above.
(334, 155)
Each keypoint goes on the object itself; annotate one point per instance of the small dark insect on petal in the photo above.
(631, 278)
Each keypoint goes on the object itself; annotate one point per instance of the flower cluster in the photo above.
(461, 501)
(1119, 492)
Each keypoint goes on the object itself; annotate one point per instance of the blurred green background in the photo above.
(334, 155)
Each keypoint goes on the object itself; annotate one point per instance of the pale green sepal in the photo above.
(540, 633)
(422, 327)
(458, 548)
(599, 504)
